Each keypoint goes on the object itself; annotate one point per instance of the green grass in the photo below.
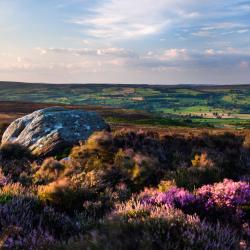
(157, 100)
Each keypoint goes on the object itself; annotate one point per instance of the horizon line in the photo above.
(131, 84)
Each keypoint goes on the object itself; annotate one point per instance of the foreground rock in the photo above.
(47, 131)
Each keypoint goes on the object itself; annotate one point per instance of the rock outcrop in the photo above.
(47, 131)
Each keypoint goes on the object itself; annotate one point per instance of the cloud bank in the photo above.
(163, 41)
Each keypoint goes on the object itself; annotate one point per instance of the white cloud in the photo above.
(242, 31)
(173, 54)
(183, 59)
(119, 19)
(119, 52)
(202, 33)
(188, 15)
(109, 59)
(224, 28)
(229, 51)
(42, 51)
(85, 42)
(70, 51)
(113, 51)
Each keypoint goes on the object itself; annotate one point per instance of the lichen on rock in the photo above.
(49, 130)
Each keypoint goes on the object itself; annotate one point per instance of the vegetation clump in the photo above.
(129, 189)
(15, 161)
(49, 171)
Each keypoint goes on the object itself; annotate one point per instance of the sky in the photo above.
(125, 41)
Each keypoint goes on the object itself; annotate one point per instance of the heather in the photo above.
(128, 189)
(224, 201)
(142, 226)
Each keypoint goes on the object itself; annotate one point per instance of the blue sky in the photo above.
(125, 41)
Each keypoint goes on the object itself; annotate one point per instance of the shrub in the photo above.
(95, 155)
(175, 197)
(88, 194)
(223, 201)
(138, 170)
(25, 224)
(106, 155)
(62, 194)
(19, 225)
(147, 143)
(11, 151)
(89, 218)
(138, 226)
(201, 161)
(49, 171)
(194, 177)
(223, 150)
(17, 170)
(226, 199)
(33, 240)
(58, 224)
(164, 186)
(11, 191)
(99, 143)
(16, 162)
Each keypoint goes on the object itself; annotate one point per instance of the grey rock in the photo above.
(47, 131)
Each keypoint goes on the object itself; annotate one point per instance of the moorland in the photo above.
(173, 173)
(181, 105)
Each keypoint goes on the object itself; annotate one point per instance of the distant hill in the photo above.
(156, 98)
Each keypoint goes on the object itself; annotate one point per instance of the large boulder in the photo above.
(47, 131)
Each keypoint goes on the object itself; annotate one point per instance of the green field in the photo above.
(184, 105)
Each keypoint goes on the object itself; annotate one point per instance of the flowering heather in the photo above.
(178, 197)
(154, 226)
(20, 225)
(93, 200)
(225, 200)
(225, 194)
(221, 200)
(26, 225)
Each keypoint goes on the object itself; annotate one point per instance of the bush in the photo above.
(201, 161)
(227, 200)
(14, 238)
(25, 224)
(225, 151)
(136, 158)
(19, 225)
(164, 186)
(11, 191)
(137, 170)
(49, 171)
(194, 177)
(62, 194)
(18, 170)
(84, 201)
(16, 162)
(14, 151)
(137, 226)
(58, 224)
